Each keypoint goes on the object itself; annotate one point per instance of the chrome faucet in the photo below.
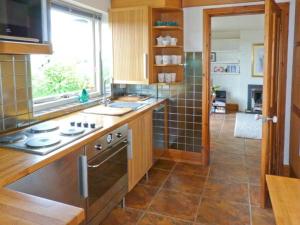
(105, 100)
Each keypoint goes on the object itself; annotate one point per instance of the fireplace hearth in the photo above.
(255, 98)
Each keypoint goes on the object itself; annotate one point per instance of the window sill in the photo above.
(64, 109)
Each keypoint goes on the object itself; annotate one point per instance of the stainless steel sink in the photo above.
(132, 105)
(115, 108)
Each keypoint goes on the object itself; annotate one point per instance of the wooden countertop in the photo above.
(16, 164)
(285, 198)
(19, 208)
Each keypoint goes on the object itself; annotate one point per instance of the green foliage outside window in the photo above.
(58, 79)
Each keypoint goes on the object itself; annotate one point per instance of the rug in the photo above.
(247, 127)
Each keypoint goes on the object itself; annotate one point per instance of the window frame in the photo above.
(57, 101)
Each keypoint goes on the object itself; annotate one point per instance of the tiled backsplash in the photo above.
(185, 106)
(15, 91)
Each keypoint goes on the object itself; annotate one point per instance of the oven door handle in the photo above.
(97, 165)
(83, 176)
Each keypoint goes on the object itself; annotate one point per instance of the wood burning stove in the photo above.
(255, 98)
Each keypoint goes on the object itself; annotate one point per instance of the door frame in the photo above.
(206, 81)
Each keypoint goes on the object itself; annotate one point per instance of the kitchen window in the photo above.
(57, 79)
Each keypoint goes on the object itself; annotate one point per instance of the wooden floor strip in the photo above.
(296, 110)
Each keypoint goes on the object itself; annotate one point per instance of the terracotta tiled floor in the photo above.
(226, 193)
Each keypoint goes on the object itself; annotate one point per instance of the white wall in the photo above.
(193, 34)
(237, 85)
(97, 5)
(248, 38)
(193, 29)
(103, 5)
(289, 81)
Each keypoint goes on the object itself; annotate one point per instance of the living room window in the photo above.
(57, 79)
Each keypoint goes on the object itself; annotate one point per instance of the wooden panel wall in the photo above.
(295, 121)
(152, 3)
(192, 3)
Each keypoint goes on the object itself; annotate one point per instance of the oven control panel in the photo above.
(109, 138)
(83, 124)
(107, 141)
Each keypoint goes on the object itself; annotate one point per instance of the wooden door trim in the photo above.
(206, 92)
(230, 11)
(235, 10)
(194, 3)
(268, 107)
(206, 102)
(282, 87)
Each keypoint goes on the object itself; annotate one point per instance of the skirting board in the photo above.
(286, 170)
(179, 156)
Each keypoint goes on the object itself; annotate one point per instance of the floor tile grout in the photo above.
(224, 146)
(200, 201)
(157, 192)
(250, 210)
(244, 154)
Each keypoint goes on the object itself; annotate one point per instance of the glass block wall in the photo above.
(158, 129)
(185, 102)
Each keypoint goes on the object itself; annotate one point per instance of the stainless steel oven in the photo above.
(107, 174)
(95, 177)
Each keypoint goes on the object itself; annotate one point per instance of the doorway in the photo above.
(275, 43)
(237, 94)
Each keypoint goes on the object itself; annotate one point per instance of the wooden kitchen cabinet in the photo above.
(58, 181)
(147, 124)
(134, 39)
(141, 159)
(130, 38)
(9, 47)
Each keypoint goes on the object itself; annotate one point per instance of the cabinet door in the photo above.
(130, 38)
(135, 163)
(58, 181)
(141, 143)
(147, 140)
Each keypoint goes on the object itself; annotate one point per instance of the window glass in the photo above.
(74, 64)
(106, 49)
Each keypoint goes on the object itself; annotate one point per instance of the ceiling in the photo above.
(236, 23)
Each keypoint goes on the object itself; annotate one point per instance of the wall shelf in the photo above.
(167, 46)
(225, 62)
(167, 28)
(8, 47)
(226, 51)
(224, 73)
(169, 65)
(167, 15)
(172, 83)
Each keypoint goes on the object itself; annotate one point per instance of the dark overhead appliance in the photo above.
(24, 20)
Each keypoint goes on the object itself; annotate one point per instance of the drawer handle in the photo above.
(145, 59)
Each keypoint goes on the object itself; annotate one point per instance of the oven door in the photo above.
(107, 181)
